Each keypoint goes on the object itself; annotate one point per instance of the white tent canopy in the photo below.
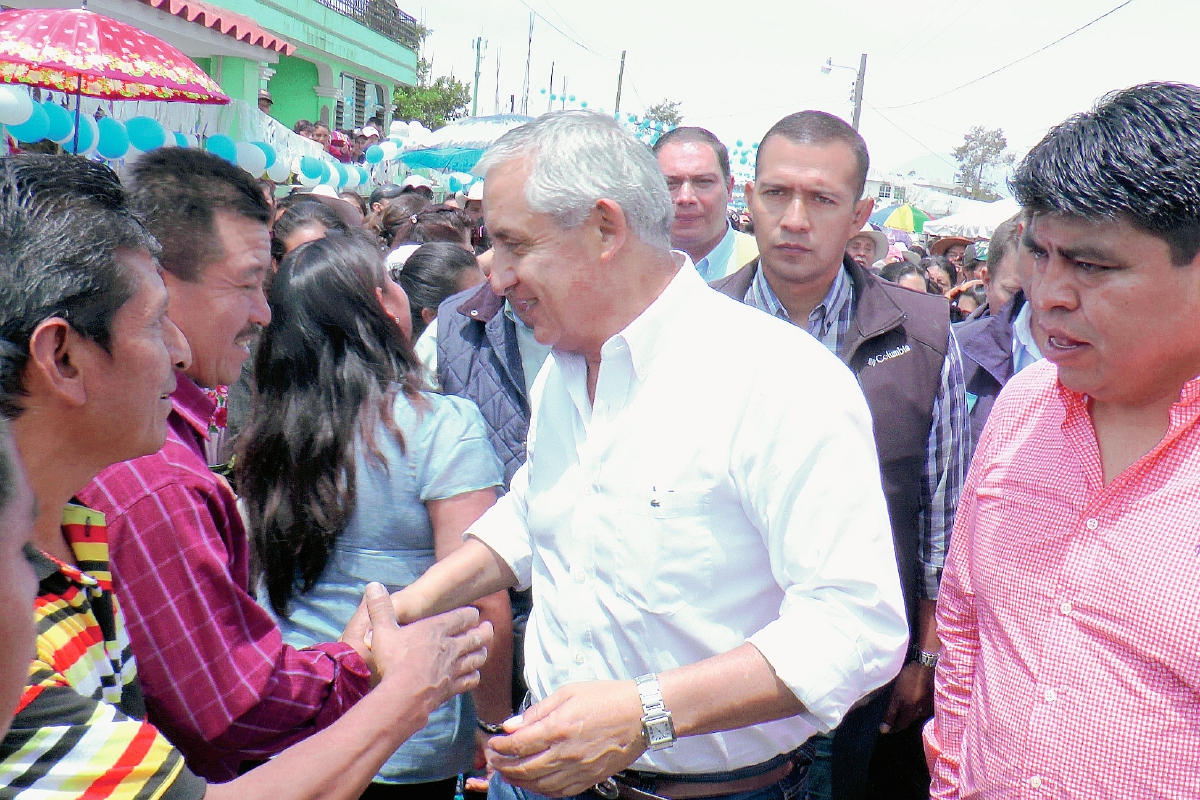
(974, 223)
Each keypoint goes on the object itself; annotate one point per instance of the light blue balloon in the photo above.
(180, 139)
(326, 171)
(755, 145)
(221, 145)
(543, 91)
(114, 141)
(739, 142)
(342, 173)
(633, 117)
(374, 154)
(60, 123)
(553, 97)
(310, 167)
(455, 184)
(145, 133)
(33, 129)
(87, 137)
(583, 104)
(363, 175)
(268, 151)
(571, 99)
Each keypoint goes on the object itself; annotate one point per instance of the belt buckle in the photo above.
(607, 789)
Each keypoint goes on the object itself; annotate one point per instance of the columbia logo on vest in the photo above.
(888, 355)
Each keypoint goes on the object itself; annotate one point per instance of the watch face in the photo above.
(660, 732)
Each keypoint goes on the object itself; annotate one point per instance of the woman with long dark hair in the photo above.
(351, 474)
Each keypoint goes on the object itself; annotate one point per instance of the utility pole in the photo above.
(475, 89)
(512, 104)
(563, 96)
(550, 99)
(528, 56)
(496, 110)
(858, 89)
(620, 80)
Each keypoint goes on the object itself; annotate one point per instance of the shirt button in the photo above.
(1051, 695)
(1092, 523)
(579, 658)
(1035, 782)
(1066, 608)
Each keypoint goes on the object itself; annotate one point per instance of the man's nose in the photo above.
(795, 216)
(503, 275)
(685, 195)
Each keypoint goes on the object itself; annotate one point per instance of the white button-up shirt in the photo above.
(722, 488)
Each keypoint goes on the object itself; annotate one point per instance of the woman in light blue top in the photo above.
(350, 474)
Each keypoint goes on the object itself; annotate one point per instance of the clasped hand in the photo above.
(576, 737)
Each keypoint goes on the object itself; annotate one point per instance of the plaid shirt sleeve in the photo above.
(217, 677)
(948, 456)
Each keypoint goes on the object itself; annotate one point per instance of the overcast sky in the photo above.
(740, 68)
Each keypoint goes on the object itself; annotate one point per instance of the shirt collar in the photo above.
(191, 403)
(645, 334)
(719, 255)
(821, 318)
(86, 533)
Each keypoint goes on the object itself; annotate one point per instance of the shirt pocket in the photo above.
(665, 549)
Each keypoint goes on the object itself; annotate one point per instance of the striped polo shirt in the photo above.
(80, 729)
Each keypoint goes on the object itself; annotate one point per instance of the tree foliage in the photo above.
(981, 150)
(666, 112)
(434, 103)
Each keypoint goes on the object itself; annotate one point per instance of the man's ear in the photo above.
(862, 210)
(613, 227)
(56, 356)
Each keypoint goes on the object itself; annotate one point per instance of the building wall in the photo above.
(292, 90)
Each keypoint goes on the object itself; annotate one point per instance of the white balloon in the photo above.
(333, 179)
(279, 171)
(399, 129)
(390, 151)
(169, 140)
(16, 106)
(352, 178)
(307, 181)
(193, 140)
(251, 158)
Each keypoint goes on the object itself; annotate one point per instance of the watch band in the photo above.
(927, 659)
(657, 725)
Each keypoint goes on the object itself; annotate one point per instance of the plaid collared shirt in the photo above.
(948, 454)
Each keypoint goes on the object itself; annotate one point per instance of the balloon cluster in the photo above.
(742, 157)
(313, 171)
(403, 136)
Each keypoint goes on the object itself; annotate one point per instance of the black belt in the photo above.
(638, 785)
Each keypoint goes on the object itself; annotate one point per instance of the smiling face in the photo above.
(700, 194)
(1119, 318)
(221, 314)
(805, 205)
(552, 276)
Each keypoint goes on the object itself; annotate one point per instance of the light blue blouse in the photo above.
(390, 539)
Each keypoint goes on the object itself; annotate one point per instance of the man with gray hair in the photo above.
(700, 515)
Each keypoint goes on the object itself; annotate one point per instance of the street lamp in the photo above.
(829, 66)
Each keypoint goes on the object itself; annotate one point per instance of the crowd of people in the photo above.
(579, 485)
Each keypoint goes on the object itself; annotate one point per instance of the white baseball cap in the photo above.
(417, 182)
(476, 191)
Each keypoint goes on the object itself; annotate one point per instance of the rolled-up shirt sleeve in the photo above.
(503, 528)
(808, 475)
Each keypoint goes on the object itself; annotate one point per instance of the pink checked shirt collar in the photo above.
(194, 405)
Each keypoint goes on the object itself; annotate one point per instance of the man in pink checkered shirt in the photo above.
(218, 680)
(1070, 604)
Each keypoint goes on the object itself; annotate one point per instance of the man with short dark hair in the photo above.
(1068, 605)
(696, 166)
(806, 205)
(87, 366)
(382, 195)
(218, 679)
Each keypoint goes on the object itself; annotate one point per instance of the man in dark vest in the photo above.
(805, 201)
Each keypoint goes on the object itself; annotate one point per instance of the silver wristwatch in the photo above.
(657, 726)
(927, 659)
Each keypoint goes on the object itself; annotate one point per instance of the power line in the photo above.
(910, 136)
(1012, 63)
(943, 29)
(911, 38)
(564, 34)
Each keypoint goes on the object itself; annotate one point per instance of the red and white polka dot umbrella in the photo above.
(81, 52)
